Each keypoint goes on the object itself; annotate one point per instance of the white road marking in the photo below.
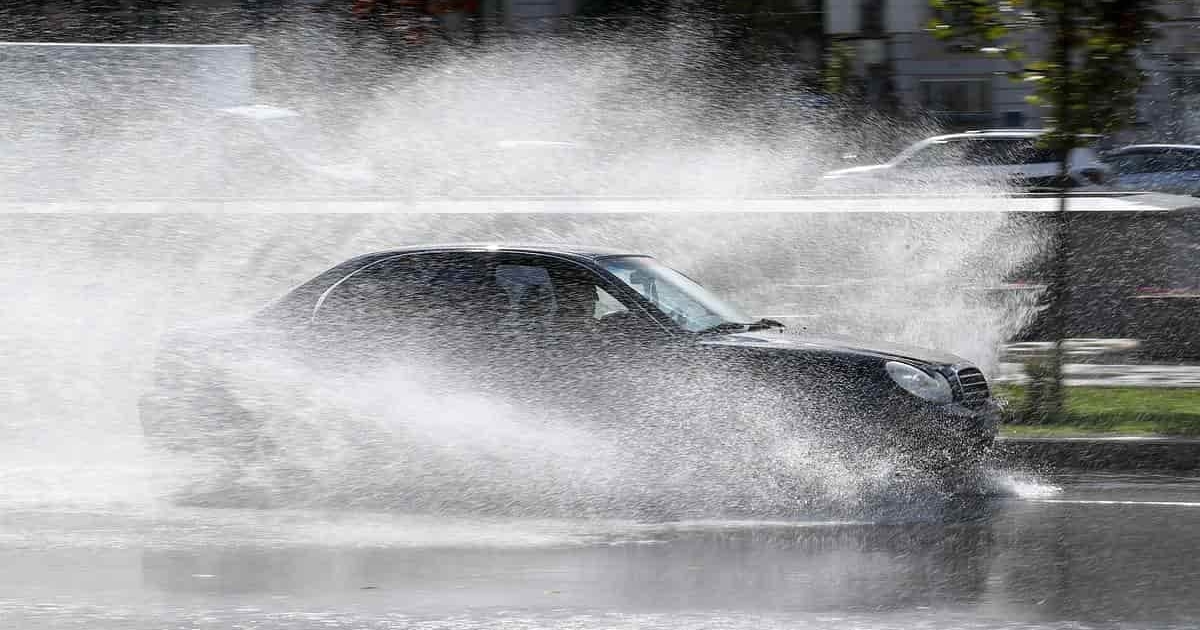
(1195, 504)
(914, 203)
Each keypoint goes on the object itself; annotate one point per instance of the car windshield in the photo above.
(688, 304)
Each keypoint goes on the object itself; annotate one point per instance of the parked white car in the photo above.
(1169, 168)
(997, 157)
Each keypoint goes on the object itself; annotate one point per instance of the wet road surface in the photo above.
(1062, 552)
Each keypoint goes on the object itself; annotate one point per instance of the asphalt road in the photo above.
(1069, 552)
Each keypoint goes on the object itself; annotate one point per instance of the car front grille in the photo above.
(972, 386)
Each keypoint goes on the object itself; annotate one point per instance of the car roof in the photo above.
(260, 112)
(993, 133)
(296, 301)
(539, 144)
(1015, 134)
(1136, 147)
(577, 251)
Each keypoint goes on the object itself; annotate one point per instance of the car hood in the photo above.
(777, 339)
(857, 170)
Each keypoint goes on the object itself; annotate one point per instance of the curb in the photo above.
(1101, 453)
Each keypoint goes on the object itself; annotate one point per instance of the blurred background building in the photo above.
(892, 62)
(901, 65)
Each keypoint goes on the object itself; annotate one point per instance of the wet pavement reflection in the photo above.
(1074, 551)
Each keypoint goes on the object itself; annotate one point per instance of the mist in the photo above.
(224, 222)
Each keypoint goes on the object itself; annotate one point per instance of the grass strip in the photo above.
(1111, 411)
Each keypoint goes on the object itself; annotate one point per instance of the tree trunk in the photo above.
(1051, 394)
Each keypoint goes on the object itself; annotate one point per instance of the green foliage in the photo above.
(1089, 77)
(838, 74)
(1043, 400)
(1121, 410)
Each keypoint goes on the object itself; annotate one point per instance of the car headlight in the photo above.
(931, 387)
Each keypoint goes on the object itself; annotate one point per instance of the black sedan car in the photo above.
(573, 326)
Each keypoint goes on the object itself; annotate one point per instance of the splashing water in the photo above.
(398, 438)
(1022, 485)
(81, 368)
(88, 295)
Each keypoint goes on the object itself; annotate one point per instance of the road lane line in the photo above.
(1195, 504)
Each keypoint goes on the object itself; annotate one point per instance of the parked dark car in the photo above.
(1168, 168)
(563, 326)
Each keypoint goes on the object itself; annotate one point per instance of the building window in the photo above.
(965, 100)
(871, 18)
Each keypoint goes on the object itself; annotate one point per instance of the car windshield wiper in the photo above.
(725, 327)
(765, 323)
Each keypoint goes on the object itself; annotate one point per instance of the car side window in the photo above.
(1140, 162)
(989, 152)
(607, 305)
(414, 290)
(1179, 161)
(365, 297)
(1026, 152)
(1006, 152)
(529, 290)
(416, 295)
(937, 154)
(1156, 162)
(551, 293)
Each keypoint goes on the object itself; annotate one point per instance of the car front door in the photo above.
(527, 324)
(567, 330)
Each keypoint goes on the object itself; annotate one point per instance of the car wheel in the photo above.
(205, 420)
(242, 465)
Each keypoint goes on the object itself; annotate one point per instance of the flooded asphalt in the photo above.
(1058, 552)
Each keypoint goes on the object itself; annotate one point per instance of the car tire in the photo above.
(199, 418)
(243, 466)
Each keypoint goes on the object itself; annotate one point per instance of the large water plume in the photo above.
(91, 294)
(663, 113)
(88, 295)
